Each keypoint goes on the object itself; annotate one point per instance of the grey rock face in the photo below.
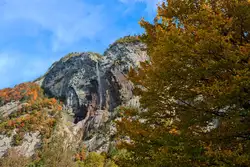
(92, 86)
(5, 144)
(9, 108)
(30, 144)
(118, 59)
(87, 82)
(96, 136)
(74, 80)
(31, 141)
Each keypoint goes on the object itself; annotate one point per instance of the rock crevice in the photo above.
(92, 86)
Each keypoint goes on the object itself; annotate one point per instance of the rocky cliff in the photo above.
(90, 86)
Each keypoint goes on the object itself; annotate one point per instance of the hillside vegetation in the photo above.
(35, 112)
(127, 39)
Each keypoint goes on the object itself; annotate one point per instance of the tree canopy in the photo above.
(195, 91)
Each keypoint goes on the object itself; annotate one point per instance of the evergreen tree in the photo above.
(198, 75)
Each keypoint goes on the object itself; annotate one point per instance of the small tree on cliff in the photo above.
(199, 73)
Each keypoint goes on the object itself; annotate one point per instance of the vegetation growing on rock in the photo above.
(36, 112)
(55, 154)
(128, 39)
(22, 92)
(73, 54)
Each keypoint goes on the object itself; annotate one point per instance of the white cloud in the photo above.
(67, 20)
(16, 68)
(5, 62)
(36, 32)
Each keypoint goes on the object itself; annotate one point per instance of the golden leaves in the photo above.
(37, 112)
(174, 131)
(81, 156)
(25, 90)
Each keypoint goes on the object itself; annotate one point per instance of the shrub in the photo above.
(128, 39)
(1, 101)
(81, 156)
(93, 160)
(110, 163)
(14, 159)
(54, 154)
(17, 139)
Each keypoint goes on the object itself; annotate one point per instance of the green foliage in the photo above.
(1, 101)
(68, 56)
(199, 73)
(1, 118)
(110, 163)
(113, 151)
(17, 139)
(55, 154)
(128, 39)
(96, 160)
(119, 156)
(96, 54)
(93, 159)
(72, 54)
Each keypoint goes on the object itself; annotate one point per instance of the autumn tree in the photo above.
(195, 91)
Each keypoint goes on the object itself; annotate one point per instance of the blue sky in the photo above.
(35, 33)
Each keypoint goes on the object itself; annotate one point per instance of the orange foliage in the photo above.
(38, 113)
(78, 157)
(22, 124)
(174, 131)
(25, 90)
(10, 123)
(81, 156)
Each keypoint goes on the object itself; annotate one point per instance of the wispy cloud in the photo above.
(67, 21)
(35, 33)
(16, 68)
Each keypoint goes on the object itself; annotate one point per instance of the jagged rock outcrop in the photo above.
(74, 79)
(89, 81)
(9, 108)
(30, 143)
(91, 87)
(117, 61)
